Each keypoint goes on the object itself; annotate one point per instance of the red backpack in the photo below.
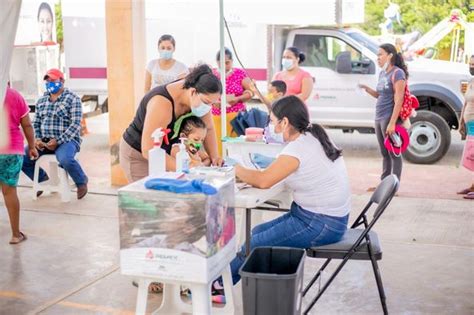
(410, 102)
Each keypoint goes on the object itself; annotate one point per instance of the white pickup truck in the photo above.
(350, 58)
(340, 58)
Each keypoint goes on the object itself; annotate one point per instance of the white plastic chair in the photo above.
(58, 178)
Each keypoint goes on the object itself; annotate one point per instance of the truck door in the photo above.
(337, 68)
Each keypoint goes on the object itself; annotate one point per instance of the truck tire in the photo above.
(430, 138)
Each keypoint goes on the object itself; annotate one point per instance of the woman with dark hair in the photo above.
(298, 82)
(45, 22)
(313, 168)
(165, 69)
(161, 108)
(389, 93)
(238, 91)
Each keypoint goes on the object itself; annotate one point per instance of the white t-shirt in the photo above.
(319, 185)
(160, 76)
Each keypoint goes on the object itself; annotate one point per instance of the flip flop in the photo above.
(155, 287)
(469, 196)
(465, 191)
(18, 240)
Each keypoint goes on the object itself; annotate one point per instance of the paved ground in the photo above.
(69, 265)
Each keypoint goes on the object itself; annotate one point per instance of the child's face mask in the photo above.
(194, 140)
(194, 146)
(273, 94)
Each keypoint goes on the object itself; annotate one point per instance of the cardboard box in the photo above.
(177, 237)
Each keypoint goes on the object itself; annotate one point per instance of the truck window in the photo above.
(364, 40)
(322, 51)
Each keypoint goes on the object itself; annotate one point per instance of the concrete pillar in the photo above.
(125, 27)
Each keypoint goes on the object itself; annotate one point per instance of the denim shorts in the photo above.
(10, 168)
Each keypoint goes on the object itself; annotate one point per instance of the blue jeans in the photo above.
(298, 228)
(65, 154)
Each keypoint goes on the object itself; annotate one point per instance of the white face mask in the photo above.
(287, 64)
(386, 64)
(166, 54)
(201, 110)
(278, 137)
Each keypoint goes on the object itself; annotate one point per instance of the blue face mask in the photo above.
(53, 87)
(201, 110)
(166, 54)
(287, 64)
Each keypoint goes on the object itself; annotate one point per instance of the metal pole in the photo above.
(222, 71)
(270, 33)
(456, 53)
(453, 42)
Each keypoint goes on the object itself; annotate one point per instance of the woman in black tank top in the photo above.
(160, 108)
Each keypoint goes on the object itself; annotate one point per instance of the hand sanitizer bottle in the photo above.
(182, 158)
(157, 156)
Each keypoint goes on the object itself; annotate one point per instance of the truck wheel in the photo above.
(430, 138)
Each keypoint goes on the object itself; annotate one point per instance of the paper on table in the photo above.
(245, 160)
(360, 91)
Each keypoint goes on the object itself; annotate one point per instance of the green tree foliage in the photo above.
(416, 15)
(59, 24)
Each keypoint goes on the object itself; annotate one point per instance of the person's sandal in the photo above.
(18, 240)
(465, 191)
(155, 287)
(469, 196)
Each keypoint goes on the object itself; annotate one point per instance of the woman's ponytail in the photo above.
(399, 61)
(332, 152)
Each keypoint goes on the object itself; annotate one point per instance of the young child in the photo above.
(194, 130)
(276, 90)
(11, 157)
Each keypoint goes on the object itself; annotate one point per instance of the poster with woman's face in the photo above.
(37, 22)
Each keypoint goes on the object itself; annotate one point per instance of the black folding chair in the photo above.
(357, 244)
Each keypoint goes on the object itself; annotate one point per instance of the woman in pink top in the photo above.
(11, 157)
(238, 91)
(298, 82)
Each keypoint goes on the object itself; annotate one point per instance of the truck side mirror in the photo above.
(371, 68)
(343, 62)
(368, 66)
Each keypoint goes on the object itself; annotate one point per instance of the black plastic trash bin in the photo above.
(272, 281)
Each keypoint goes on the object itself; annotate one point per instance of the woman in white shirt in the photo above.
(164, 69)
(313, 168)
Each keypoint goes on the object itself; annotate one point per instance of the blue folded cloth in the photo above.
(261, 160)
(230, 162)
(179, 186)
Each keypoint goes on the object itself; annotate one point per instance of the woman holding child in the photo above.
(163, 107)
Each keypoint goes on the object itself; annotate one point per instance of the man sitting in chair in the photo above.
(57, 125)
